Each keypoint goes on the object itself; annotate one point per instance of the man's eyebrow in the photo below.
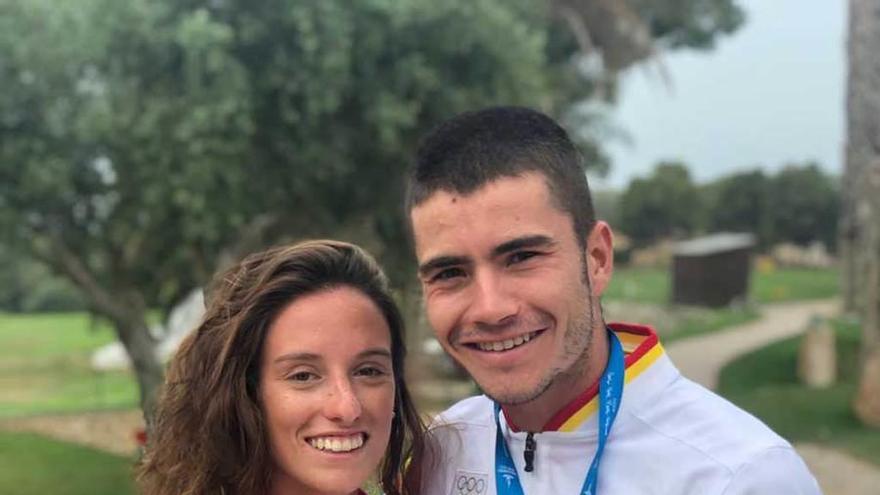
(525, 242)
(375, 352)
(441, 262)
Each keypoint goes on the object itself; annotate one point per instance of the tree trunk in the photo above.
(126, 309)
(860, 223)
(141, 349)
(846, 249)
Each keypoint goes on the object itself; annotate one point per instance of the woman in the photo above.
(292, 384)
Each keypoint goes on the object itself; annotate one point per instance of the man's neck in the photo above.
(533, 415)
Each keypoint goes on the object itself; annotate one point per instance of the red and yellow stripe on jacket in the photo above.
(641, 347)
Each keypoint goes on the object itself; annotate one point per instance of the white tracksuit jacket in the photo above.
(671, 437)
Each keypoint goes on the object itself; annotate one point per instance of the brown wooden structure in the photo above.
(712, 270)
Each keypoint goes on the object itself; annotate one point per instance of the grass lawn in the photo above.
(644, 285)
(34, 465)
(794, 284)
(654, 285)
(765, 383)
(709, 321)
(44, 366)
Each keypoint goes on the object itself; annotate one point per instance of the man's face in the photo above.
(505, 286)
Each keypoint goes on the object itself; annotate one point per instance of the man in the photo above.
(512, 264)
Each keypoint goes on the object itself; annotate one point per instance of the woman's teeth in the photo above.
(503, 345)
(338, 444)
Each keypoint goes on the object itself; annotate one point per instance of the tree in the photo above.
(95, 138)
(739, 203)
(144, 143)
(860, 216)
(622, 33)
(803, 205)
(665, 204)
(799, 204)
(28, 286)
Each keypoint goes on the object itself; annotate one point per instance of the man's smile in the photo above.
(502, 345)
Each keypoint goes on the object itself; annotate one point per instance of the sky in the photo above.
(771, 94)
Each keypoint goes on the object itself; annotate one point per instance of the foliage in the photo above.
(621, 33)
(607, 206)
(665, 204)
(35, 465)
(690, 23)
(145, 143)
(799, 204)
(804, 204)
(28, 286)
(765, 384)
(740, 203)
(146, 137)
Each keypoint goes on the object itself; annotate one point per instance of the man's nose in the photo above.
(492, 302)
(342, 403)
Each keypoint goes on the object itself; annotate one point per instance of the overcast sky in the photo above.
(770, 94)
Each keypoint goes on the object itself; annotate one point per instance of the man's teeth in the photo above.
(338, 444)
(503, 345)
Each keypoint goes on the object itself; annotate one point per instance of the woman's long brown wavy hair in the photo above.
(210, 435)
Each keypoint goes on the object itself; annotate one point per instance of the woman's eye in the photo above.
(371, 372)
(302, 376)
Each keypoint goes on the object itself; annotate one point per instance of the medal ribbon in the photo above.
(610, 393)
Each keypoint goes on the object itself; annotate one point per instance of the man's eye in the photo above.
(447, 274)
(520, 256)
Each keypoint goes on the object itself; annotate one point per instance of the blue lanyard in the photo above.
(610, 392)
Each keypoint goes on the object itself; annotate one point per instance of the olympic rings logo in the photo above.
(467, 484)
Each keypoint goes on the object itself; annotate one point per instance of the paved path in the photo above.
(701, 358)
(112, 431)
(840, 473)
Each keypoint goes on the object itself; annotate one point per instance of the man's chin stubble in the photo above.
(510, 399)
(572, 374)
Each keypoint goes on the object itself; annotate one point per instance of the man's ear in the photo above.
(600, 257)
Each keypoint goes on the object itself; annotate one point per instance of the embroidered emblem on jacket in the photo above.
(469, 483)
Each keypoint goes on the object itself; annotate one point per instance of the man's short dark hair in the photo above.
(472, 149)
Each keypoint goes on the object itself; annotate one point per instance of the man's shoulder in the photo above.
(472, 411)
(699, 420)
(706, 439)
(463, 446)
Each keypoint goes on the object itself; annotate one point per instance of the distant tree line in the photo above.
(798, 204)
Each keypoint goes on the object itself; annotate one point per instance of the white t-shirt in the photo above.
(671, 436)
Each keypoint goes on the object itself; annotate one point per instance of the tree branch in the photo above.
(610, 27)
(68, 263)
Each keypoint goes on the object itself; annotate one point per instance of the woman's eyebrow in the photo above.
(298, 356)
(312, 357)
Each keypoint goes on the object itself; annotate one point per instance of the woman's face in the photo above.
(327, 390)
